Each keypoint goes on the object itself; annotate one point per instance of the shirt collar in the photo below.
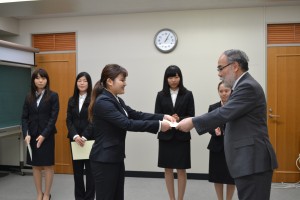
(83, 96)
(174, 91)
(37, 94)
(235, 83)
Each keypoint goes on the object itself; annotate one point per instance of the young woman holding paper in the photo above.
(79, 130)
(174, 146)
(39, 116)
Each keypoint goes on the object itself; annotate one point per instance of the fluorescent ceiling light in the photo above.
(10, 1)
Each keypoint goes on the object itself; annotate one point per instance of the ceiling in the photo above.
(64, 8)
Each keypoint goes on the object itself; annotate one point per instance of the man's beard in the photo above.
(229, 80)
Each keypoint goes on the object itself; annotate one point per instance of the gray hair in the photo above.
(235, 55)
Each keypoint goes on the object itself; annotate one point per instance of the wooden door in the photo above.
(62, 74)
(283, 98)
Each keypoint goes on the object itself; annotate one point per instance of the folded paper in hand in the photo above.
(82, 153)
(29, 150)
(172, 124)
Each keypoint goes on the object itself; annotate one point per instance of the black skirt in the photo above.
(174, 154)
(218, 170)
(43, 156)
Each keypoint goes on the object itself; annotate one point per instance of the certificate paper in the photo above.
(82, 153)
(172, 124)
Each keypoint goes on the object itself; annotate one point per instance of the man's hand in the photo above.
(185, 125)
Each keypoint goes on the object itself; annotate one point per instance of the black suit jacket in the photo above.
(216, 143)
(246, 142)
(111, 123)
(77, 122)
(184, 107)
(40, 120)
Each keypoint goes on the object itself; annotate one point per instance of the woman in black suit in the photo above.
(79, 131)
(174, 145)
(218, 170)
(39, 116)
(112, 118)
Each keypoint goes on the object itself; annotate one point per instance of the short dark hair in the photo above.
(43, 73)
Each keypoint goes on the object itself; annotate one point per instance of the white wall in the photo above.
(128, 41)
(9, 25)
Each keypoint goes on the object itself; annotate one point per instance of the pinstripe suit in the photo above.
(249, 153)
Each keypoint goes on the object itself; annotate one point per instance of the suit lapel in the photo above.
(77, 109)
(118, 103)
(122, 106)
(178, 102)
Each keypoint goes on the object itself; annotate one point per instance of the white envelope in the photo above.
(82, 153)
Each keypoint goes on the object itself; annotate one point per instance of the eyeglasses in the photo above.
(220, 68)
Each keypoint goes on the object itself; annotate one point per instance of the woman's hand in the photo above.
(169, 118)
(218, 131)
(80, 141)
(176, 117)
(27, 139)
(165, 126)
(39, 140)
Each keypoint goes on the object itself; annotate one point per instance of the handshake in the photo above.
(169, 122)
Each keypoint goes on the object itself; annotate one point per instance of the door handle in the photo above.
(274, 116)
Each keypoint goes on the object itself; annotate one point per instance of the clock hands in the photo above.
(167, 38)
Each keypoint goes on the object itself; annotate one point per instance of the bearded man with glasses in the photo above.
(249, 154)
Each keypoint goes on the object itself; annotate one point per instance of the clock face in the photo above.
(165, 40)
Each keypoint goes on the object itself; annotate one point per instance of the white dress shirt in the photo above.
(39, 97)
(174, 94)
(81, 100)
(80, 103)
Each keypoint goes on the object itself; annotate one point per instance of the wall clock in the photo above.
(165, 40)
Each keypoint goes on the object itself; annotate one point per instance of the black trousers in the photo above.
(254, 186)
(109, 180)
(82, 192)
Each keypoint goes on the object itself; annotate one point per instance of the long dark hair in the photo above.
(172, 71)
(90, 86)
(110, 71)
(43, 73)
